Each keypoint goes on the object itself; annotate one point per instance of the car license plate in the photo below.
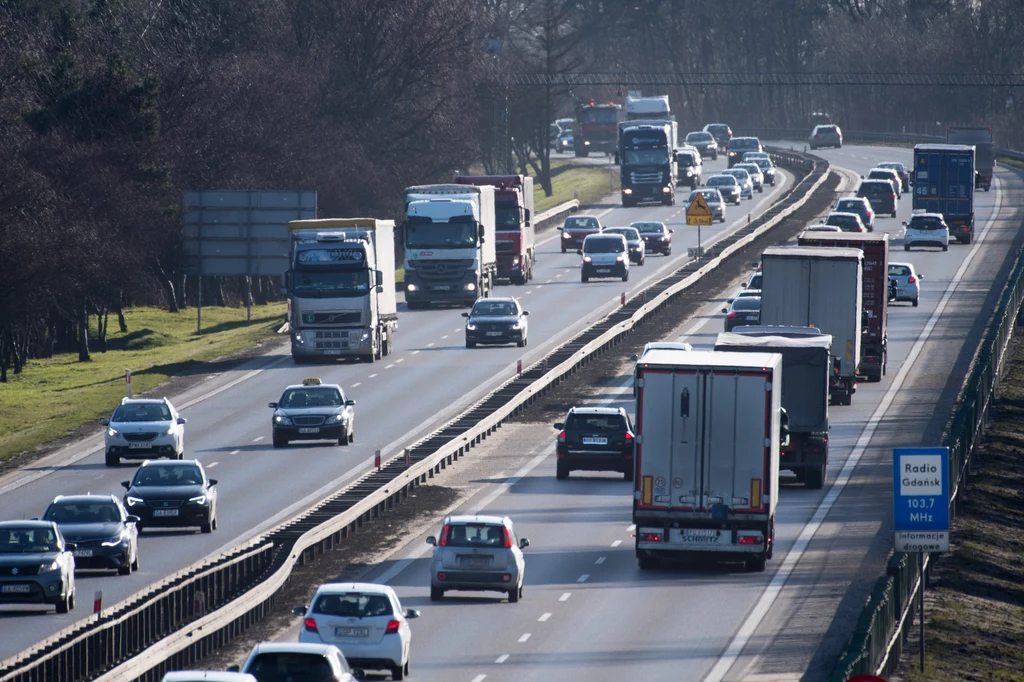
(165, 512)
(602, 271)
(476, 561)
(493, 333)
(140, 446)
(17, 588)
(351, 632)
(83, 553)
(442, 287)
(594, 441)
(309, 429)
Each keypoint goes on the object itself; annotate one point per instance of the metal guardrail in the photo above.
(555, 213)
(171, 628)
(882, 628)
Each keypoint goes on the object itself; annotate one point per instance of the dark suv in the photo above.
(738, 146)
(595, 439)
(722, 133)
(880, 195)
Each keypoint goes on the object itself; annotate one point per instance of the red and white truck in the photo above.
(709, 428)
(515, 238)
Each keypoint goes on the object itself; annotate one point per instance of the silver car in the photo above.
(714, 200)
(36, 565)
(634, 242)
(477, 553)
(756, 176)
(728, 185)
(144, 428)
(908, 282)
(763, 162)
(742, 177)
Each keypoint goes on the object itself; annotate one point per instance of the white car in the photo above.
(655, 345)
(207, 676)
(742, 177)
(908, 282)
(756, 176)
(604, 255)
(144, 428)
(365, 621)
(926, 229)
(823, 228)
(296, 661)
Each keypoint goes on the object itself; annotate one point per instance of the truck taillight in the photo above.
(651, 537)
(751, 539)
(392, 627)
(911, 279)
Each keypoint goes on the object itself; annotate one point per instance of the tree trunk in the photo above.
(104, 324)
(83, 332)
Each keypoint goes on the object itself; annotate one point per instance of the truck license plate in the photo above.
(17, 588)
(332, 351)
(309, 429)
(351, 632)
(594, 441)
(701, 532)
(442, 287)
(165, 512)
(140, 446)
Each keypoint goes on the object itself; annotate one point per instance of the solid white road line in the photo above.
(746, 631)
(234, 452)
(480, 678)
(212, 464)
(371, 376)
(356, 384)
(257, 439)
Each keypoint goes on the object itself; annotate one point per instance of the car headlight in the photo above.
(198, 499)
(282, 420)
(335, 419)
(113, 433)
(470, 327)
(113, 542)
(132, 501)
(689, 173)
(566, 235)
(168, 431)
(366, 335)
(48, 567)
(618, 259)
(517, 325)
(587, 259)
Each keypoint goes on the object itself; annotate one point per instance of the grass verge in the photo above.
(53, 397)
(974, 601)
(590, 182)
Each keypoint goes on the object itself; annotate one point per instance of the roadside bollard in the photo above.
(97, 602)
(622, 299)
(128, 382)
(408, 458)
(376, 459)
(748, 219)
(519, 366)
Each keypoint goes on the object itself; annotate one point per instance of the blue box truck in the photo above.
(944, 183)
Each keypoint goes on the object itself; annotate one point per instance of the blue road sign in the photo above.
(920, 498)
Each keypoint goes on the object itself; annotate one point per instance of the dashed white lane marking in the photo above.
(480, 678)
(371, 376)
(389, 366)
(524, 637)
(565, 596)
(630, 528)
(415, 352)
(234, 452)
(430, 345)
(445, 336)
(600, 560)
(257, 439)
(99, 477)
(583, 578)
(616, 543)
(544, 617)
(530, 291)
(501, 659)
(356, 384)
(399, 360)
(549, 281)
(558, 275)
(212, 464)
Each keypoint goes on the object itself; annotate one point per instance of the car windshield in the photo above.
(603, 246)
(649, 227)
(87, 512)
(686, 160)
(646, 157)
(630, 234)
(880, 175)
(877, 189)
(712, 197)
(314, 284)
(595, 422)
(926, 224)
(581, 223)
(287, 666)
(483, 308)
(27, 540)
(747, 303)
(142, 412)
(837, 219)
(722, 181)
(473, 535)
(751, 168)
(737, 143)
(310, 396)
(353, 605)
(738, 173)
(168, 476)
(755, 281)
(899, 271)
(700, 137)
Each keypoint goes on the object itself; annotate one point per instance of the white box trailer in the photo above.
(820, 287)
(709, 429)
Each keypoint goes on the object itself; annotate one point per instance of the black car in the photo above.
(496, 320)
(738, 146)
(174, 494)
(657, 237)
(743, 311)
(313, 410)
(704, 142)
(37, 565)
(595, 439)
(105, 535)
(722, 133)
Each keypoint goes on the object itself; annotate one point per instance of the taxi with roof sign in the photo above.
(313, 410)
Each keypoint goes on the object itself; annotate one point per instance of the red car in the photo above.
(657, 237)
(576, 228)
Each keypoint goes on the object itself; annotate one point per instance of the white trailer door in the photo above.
(669, 450)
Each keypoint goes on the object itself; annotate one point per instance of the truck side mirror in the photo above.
(379, 281)
(783, 427)
(527, 216)
(480, 231)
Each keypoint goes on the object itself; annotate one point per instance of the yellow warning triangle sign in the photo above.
(698, 208)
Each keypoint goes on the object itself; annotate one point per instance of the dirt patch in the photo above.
(607, 369)
(974, 601)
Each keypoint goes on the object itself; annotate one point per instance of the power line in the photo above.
(737, 78)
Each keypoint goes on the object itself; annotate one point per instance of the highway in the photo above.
(589, 613)
(429, 378)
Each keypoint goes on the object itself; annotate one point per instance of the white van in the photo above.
(604, 255)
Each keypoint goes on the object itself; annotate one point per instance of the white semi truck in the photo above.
(341, 288)
(450, 252)
(709, 428)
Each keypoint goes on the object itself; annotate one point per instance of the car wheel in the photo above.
(135, 564)
(915, 302)
(625, 276)
(945, 247)
(280, 442)
(520, 343)
(66, 603)
(561, 471)
(127, 568)
(584, 279)
(352, 435)
(405, 668)
(513, 596)
(343, 440)
(906, 247)
(207, 528)
(470, 344)
(112, 460)
(668, 252)
(815, 479)
(628, 475)
(436, 594)
(894, 214)
(398, 673)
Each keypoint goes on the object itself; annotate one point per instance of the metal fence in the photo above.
(174, 624)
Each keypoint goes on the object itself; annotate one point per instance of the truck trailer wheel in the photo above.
(814, 479)
(757, 564)
(648, 563)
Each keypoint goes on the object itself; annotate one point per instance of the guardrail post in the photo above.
(376, 459)
(519, 366)
(622, 298)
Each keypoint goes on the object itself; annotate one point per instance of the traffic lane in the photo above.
(233, 432)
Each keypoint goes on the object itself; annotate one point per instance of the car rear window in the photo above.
(852, 206)
(898, 271)
(747, 303)
(834, 219)
(724, 181)
(649, 227)
(287, 666)
(700, 137)
(876, 189)
(353, 604)
(472, 535)
(596, 422)
(743, 143)
(925, 224)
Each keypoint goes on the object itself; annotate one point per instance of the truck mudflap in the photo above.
(873, 361)
(750, 542)
(807, 457)
(962, 230)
